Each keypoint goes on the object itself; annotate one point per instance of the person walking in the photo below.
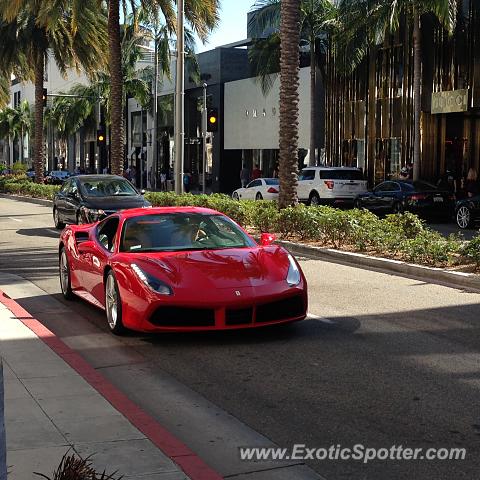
(244, 176)
(257, 173)
(471, 184)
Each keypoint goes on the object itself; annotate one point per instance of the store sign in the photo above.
(451, 101)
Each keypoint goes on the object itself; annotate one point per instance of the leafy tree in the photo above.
(69, 32)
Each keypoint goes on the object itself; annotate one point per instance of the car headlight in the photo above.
(92, 214)
(156, 285)
(293, 276)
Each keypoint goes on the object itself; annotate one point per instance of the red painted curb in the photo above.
(177, 451)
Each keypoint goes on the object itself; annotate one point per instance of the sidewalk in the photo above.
(50, 409)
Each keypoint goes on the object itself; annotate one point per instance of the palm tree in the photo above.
(20, 123)
(5, 127)
(366, 23)
(71, 33)
(289, 83)
(316, 20)
(202, 15)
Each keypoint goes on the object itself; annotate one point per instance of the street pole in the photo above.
(204, 131)
(155, 113)
(180, 99)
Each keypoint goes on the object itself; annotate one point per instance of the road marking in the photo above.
(311, 316)
(15, 219)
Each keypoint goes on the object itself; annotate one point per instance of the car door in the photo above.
(60, 200)
(250, 190)
(97, 255)
(72, 202)
(375, 201)
(306, 180)
(391, 195)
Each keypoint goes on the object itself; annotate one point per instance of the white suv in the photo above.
(317, 185)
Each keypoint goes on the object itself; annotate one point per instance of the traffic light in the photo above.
(44, 97)
(212, 120)
(101, 136)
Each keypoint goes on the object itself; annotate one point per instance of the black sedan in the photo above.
(401, 195)
(89, 198)
(467, 212)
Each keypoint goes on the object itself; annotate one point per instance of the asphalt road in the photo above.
(391, 361)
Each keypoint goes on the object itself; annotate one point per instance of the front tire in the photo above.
(235, 196)
(113, 305)
(464, 217)
(259, 196)
(65, 277)
(357, 204)
(56, 220)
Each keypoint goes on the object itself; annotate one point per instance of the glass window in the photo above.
(181, 231)
(341, 174)
(307, 175)
(272, 181)
(106, 232)
(66, 186)
(255, 183)
(388, 187)
(107, 188)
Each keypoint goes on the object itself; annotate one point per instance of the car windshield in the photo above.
(174, 232)
(107, 188)
(418, 186)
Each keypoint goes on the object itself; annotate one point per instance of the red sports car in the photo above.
(179, 269)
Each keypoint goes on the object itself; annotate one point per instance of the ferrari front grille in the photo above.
(183, 317)
(281, 309)
(238, 316)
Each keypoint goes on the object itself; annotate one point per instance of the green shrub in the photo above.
(19, 168)
(471, 251)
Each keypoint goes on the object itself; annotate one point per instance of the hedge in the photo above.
(404, 237)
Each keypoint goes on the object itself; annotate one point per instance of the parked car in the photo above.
(330, 185)
(89, 198)
(259, 189)
(467, 212)
(56, 177)
(145, 267)
(401, 195)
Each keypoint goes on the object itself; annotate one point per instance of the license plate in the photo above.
(438, 199)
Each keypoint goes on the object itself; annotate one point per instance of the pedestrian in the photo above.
(471, 184)
(257, 173)
(163, 181)
(276, 170)
(186, 182)
(244, 176)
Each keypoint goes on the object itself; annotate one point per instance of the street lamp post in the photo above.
(180, 99)
(153, 180)
(204, 134)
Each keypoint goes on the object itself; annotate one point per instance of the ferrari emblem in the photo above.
(237, 293)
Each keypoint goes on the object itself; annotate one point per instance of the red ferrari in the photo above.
(179, 269)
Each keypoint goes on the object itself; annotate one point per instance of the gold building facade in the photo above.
(369, 114)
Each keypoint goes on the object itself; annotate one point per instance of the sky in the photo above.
(233, 24)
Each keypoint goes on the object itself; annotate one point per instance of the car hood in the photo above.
(229, 268)
(115, 202)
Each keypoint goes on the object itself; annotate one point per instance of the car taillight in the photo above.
(272, 190)
(418, 196)
(329, 184)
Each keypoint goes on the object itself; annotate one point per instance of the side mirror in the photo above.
(85, 247)
(267, 239)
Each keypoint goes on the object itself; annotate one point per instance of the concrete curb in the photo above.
(469, 281)
(188, 461)
(21, 198)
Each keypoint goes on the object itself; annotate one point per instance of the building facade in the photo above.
(369, 114)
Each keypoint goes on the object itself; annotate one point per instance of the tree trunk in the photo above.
(289, 83)
(312, 160)
(116, 92)
(21, 146)
(38, 150)
(417, 104)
